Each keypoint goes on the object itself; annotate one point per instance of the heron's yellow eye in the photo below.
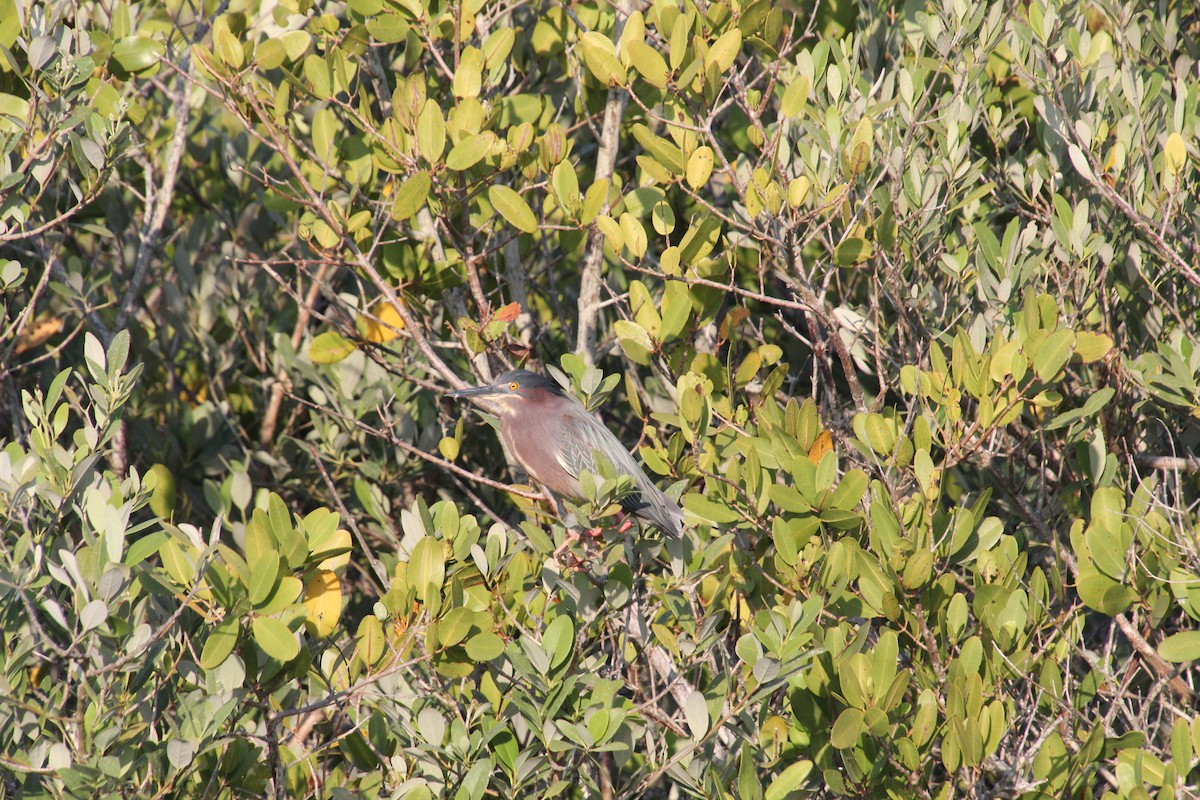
(512, 387)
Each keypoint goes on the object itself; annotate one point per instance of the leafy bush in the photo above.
(900, 299)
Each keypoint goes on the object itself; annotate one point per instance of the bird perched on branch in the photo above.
(555, 439)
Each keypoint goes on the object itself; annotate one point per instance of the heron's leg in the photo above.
(624, 524)
(572, 538)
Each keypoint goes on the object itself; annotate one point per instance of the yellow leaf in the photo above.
(339, 541)
(37, 333)
(724, 50)
(822, 445)
(601, 58)
(699, 167)
(1174, 154)
(387, 327)
(1092, 346)
(323, 599)
(798, 191)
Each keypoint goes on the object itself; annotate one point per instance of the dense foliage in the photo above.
(901, 299)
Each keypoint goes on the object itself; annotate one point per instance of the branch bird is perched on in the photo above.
(555, 439)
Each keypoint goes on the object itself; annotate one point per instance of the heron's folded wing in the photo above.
(583, 439)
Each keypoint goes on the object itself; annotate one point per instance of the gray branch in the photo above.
(606, 159)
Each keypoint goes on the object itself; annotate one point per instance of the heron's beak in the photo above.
(475, 391)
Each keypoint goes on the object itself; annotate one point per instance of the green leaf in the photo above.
(795, 97)
(220, 643)
(1103, 594)
(788, 499)
(468, 77)
(850, 491)
(858, 154)
(676, 311)
(320, 80)
(180, 753)
(371, 643)
(427, 567)
(708, 509)
(258, 543)
(93, 615)
(612, 232)
(1180, 648)
(513, 208)
(600, 56)
(475, 784)
(695, 712)
(136, 54)
(454, 627)
(918, 569)
(296, 43)
(498, 46)
(330, 347)
(145, 547)
(484, 646)
(411, 196)
(470, 151)
(634, 340)
(431, 132)
(1098, 400)
(566, 186)
(593, 201)
(847, 729)
(648, 62)
(1053, 354)
(388, 28)
(286, 594)
(269, 54)
(292, 545)
(749, 786)
(14, 114)
(324, 135)
(789, 780)
(448, 446)
(634, 234)
(1108, 510)
(558, 639)
(724, 50)
(275, 639)
(661, 150)
(228, 48)
(264, 574)
(662, 217)
(854, 250)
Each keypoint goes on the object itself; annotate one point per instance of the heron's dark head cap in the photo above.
(517, 384)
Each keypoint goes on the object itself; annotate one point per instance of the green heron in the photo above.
(555, 439)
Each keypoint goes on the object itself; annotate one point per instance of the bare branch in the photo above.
(593, 255)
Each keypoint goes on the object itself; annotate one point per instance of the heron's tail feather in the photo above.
(656, 508)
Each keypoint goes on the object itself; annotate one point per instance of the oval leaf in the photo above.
(329, 348)
(1180, 648)
(275, 639)
(220, 643)
(323, 600)
(426, 567)
(412, 195)
(513, 208)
